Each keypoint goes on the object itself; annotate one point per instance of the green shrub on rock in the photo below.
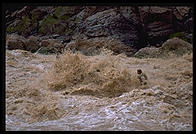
(178, 35)
(21, 27)
(47, 24)
(47, 50)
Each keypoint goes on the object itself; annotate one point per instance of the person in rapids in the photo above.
(142, 77)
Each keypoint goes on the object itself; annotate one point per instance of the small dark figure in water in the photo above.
(142, 77)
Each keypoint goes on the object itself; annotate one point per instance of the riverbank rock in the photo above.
(135, 26)
(15, 42)
(50, 46)
(176, 46)
(147, 52)
(94, 46)
(32, 44)
(172, 47)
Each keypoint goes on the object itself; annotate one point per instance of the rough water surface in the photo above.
(102, 92)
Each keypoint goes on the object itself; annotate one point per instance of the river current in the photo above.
(97, 93)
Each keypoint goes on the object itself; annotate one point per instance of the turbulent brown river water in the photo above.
(77, 92)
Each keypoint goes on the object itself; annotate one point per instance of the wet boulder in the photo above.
(172, 47)
(15, 42)
(147, 52)
(32, 44)
(176, 46)
(50, 46)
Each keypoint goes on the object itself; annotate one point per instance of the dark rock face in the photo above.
(91, 10)
(157, 22)
(110, 23)
(24, 12)
(134, 26)
(189, 24)
(38, 13)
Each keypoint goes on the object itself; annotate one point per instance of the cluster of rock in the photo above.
(33, 44)
(134, 26)
(95, 46)
(172, 47)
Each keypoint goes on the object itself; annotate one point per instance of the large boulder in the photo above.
(110, 23)
(15, 42)
(176, 46)
(50, 46)
(49, 43)
(148, 52)
(170, 48)
(32, 44)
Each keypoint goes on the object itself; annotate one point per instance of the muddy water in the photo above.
(98, 101)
